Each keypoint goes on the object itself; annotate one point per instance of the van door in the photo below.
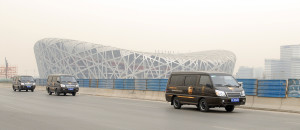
(191, 83)
(206, 87)
(177, 87)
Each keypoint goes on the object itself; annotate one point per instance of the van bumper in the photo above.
(24, 87)
(224, 101)
(66, 90)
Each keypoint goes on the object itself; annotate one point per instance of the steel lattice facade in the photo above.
(94, 61)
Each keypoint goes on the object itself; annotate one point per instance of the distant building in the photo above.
(249, 73)
(288, 66)
(11, 71)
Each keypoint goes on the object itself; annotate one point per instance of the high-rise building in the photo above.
(287, 67)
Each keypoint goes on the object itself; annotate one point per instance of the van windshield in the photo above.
(27, 79)
(224, 81)
(67, 79)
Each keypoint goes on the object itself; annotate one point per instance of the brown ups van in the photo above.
(205, 90)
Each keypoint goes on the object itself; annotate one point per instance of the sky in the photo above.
(252, 29)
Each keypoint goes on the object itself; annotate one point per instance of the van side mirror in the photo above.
(19, 80)
(77, 81)
(58, 81)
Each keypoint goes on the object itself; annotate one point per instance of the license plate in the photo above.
(235, 100)
(70, 88)
(28, 86)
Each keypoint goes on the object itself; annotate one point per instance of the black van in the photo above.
(205, 90)
(60, 83)
(23, 82)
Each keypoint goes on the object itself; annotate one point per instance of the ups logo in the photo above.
(190, 90)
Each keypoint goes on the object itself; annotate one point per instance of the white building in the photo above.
(95, 61)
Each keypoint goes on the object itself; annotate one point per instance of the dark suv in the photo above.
(62, 84)
(23, 82)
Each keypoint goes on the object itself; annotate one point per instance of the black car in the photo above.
(23, 82)
(205, 90)
(62, 84)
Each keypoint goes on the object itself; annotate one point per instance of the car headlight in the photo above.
(62, 85)
(243, 93)
(33, 84)
(22, 83)
(220, 93)
(77, 85)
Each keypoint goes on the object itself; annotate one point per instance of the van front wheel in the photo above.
(176, 103)
(203, 105)
(229, 108)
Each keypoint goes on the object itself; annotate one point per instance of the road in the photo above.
(38, 110)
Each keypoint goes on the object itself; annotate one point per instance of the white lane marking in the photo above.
(223, 128)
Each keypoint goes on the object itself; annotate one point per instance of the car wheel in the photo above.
(49, 92)
(26, 90)
(203, 105)
(229, 108)
(176, 103)
(32, 90)
(74, 94)
(19, 89)
(65, 94)
(14, 88)
(56, 92)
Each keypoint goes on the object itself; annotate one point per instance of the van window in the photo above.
(190, 80)
(204, 80)
(177, 80)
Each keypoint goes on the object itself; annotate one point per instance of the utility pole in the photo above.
(6, 68)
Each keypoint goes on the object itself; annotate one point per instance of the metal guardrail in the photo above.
(126, 84)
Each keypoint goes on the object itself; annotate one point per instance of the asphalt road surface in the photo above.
(40, 111)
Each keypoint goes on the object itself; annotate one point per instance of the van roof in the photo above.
(200, 72)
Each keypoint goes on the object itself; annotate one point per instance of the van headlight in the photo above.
(22, 83)
(33, 84)
(220, 93)
(62, 85)
(77, 85)
(243, 93)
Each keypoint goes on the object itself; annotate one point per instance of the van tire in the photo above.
(26, 90)
(14, 88)
(74, 94)
(203, 105)
(19, 89)
(176, 103)
(32, 90)
(229, 108)
(56, 92)
(65, 94)
(49, 92)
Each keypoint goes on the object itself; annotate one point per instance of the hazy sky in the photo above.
(252, 29)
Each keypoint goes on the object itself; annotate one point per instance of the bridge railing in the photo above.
(252, 87)
(126, 84)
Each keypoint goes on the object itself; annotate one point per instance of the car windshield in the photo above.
(67, 79)
(27, 79)
(224, 81)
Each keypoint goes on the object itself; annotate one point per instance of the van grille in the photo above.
(234, 94)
